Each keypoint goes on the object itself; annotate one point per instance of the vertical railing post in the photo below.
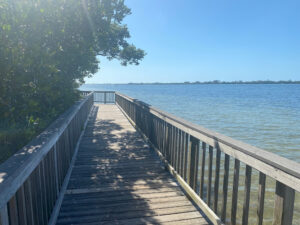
(201, 190)
(284, 204)
(193, 162)
(4, 216)
(261, 198)
(225, 187)
(56, 170)
(235, 188)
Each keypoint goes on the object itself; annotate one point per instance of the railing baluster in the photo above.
(247, 195)
(188, 169)
(4, 216)
(202, 169)
(216, 185)
(173, 146)
(210, 161)
(176, 149)
(194, 158)
(29, 202)
(34, 193)
(284, 204)
(235, 191)
(182, 154)
(13, 211)
(261, 198)
(21, 202)
(186, 151)
(179, 152)
(225, 187)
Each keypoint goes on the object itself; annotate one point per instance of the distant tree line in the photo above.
(47, 48)
(231, 82)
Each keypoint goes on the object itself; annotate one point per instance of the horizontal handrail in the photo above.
(36, 172)
(180, 143)
(102, 96)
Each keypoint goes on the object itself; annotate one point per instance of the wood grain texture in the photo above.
(225, 187)
(118, 179)
(284, 205)
(261, 198)
(235, 188)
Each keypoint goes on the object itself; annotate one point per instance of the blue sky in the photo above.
(200, 40)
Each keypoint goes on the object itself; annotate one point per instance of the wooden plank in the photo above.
(247, 195)
(110, 215)
(284, 205)
(123, 208)
(225, 187)
(126, 190)
(133, 188)
(153, 219)
(118, 204)
(235, 189)
(261, 198)
(117, 198)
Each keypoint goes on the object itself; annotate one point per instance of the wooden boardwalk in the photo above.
(118, 179)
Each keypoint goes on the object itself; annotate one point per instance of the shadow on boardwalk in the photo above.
(118, 179)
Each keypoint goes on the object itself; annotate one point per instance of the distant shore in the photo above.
(211, 82)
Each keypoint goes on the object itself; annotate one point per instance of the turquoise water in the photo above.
(266, 116)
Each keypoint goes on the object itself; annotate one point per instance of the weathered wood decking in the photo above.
(118, 179)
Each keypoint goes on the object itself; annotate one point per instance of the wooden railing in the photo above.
(189, 150)
(105, 97)
(31, 180)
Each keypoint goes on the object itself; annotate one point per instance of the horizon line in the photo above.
(209, 82)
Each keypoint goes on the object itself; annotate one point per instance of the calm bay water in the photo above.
(266, 116)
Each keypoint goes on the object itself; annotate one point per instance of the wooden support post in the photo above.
(261, 198)
(13, 211)
(194, 158)
(186, 156)
(247, 195)
(225, 187)
(4, 216)
(29, 202)
(210, 162)
(284, 204)
(21, 202)
(235, 191)
(217, 177)
(202, 170)
(188, 167)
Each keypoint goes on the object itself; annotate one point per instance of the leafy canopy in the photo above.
(48, 47)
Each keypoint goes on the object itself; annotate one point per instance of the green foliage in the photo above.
(48, 47)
